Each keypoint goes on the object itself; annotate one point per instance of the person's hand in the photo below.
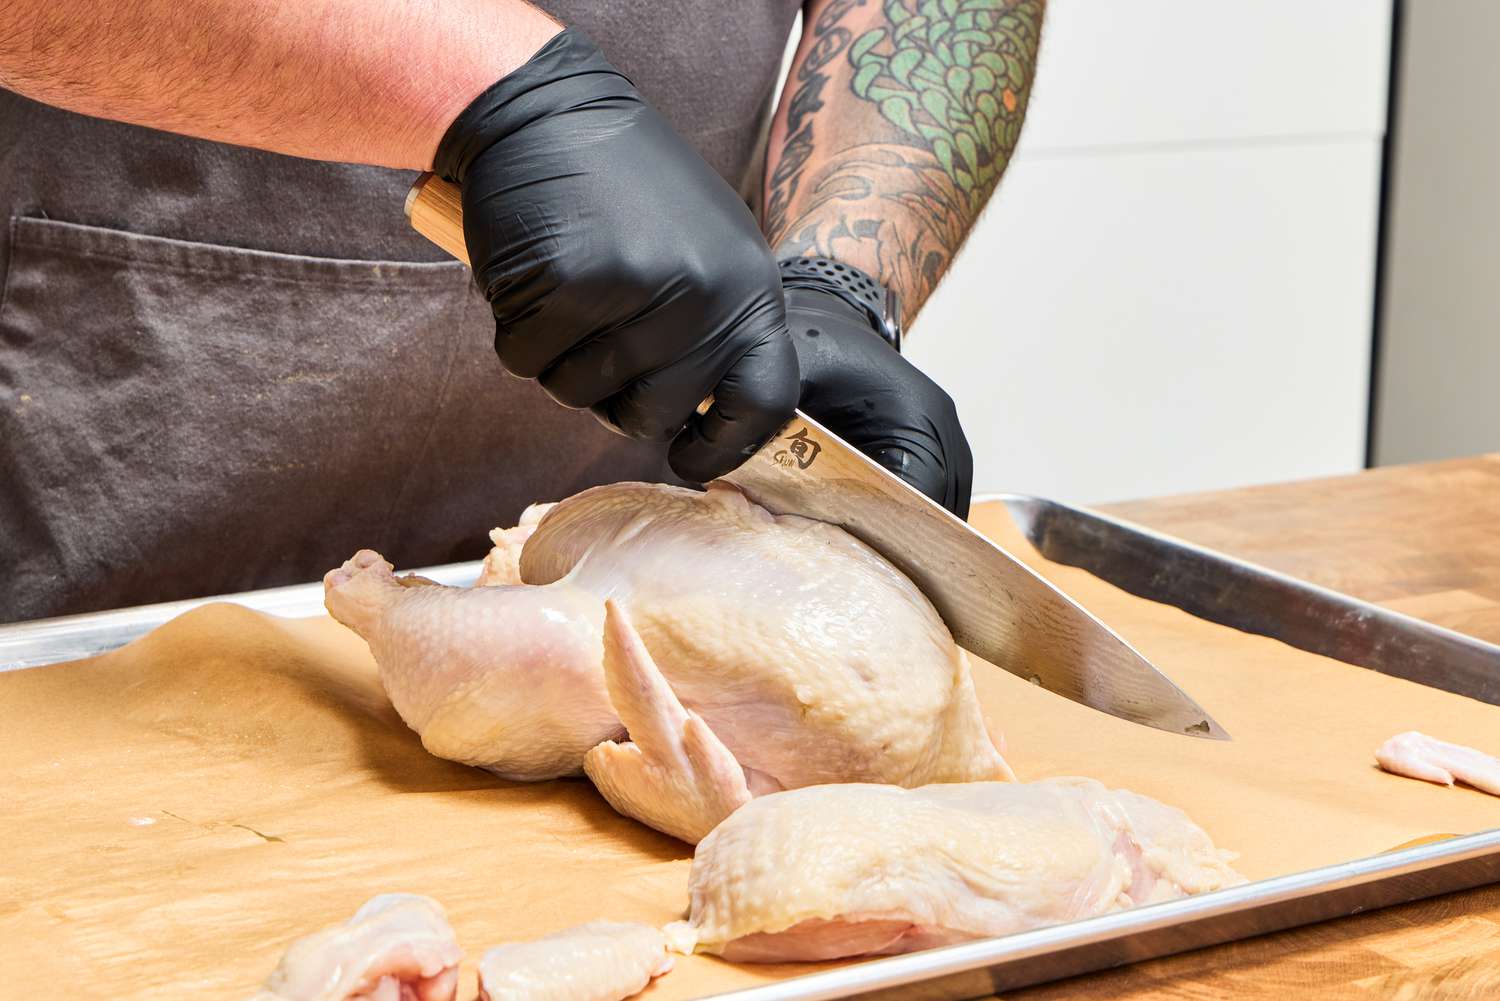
(624, 274)
(860, 387)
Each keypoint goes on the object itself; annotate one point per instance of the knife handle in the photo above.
(434, 209)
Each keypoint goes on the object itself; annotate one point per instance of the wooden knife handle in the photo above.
(435, 210)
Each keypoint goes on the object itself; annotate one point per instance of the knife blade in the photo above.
(996, 606)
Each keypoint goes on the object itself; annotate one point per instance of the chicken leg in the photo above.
(507, 678)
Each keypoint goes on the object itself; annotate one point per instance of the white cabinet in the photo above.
(1439, 390)
(1173, 288)
(1194, 71)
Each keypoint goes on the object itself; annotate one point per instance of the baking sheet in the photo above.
(176, 811)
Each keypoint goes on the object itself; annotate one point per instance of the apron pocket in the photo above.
(181, 418)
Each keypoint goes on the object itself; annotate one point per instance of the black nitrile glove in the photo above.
(858, 385)
(624, 274)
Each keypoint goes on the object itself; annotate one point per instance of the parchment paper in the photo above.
(174, 813)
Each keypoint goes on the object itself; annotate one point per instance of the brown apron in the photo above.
(223, 369)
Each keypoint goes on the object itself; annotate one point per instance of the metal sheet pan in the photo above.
(73, 637)
(992, 965)
(1255, 599)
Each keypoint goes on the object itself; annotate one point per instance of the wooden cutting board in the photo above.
(175, 812)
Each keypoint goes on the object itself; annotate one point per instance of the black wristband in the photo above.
(858, 289)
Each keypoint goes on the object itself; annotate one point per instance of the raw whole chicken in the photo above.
(836, 871)
(598, 961)
(742, 652)
(397, 947)
(1419, 756)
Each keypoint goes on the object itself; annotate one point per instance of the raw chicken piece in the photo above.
(799, 651)
(599, 961)
(1419, 756)
(397, 947)
(851, 870)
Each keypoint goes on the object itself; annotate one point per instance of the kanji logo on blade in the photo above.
(801, 450)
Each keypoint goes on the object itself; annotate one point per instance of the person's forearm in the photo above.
(363, 81)
(898, 119)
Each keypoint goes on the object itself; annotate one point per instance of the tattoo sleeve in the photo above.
(898, 119)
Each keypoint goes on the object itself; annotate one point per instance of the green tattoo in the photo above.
(952, 73)
(946, 83)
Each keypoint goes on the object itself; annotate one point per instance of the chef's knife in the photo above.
(995, 605)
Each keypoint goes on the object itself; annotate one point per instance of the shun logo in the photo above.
(801, 450)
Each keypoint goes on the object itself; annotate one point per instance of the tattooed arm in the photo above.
(898, 120)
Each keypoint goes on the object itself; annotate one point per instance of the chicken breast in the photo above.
(836, 871)
(812, 658)
(397, 947)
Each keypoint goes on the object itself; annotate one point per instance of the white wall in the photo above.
(1172, 289)
(1439, 392)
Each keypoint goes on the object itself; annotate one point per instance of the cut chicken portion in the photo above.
(849, 870)
(802, 653)
(397, 947)
(598, 961)
(1419, 756)
(674, 775)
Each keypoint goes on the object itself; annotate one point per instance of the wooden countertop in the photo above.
(1424, 540)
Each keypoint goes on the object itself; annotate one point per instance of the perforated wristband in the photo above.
(858, 289)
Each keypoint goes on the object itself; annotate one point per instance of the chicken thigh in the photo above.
(775, 652)
(851, 870)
